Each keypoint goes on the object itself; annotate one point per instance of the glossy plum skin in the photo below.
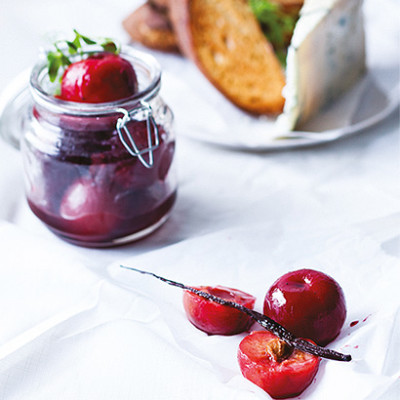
(100, 78)
(281, 372)
(84, 208)
(214, 318)
(308, 303)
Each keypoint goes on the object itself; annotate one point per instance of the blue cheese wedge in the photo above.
(325, 58)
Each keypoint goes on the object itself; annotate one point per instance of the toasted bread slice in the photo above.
(225, 41)
(152, 28)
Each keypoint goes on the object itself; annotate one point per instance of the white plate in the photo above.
(365, 105)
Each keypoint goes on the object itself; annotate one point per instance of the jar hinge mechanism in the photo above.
(140, 113)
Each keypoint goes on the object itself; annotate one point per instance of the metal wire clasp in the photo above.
(140, 113)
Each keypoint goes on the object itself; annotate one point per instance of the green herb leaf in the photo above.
(72, 48)
(110, 47)
(87, 40)
(77, 42)
(58, 59)
(54, 64)
(65, 61)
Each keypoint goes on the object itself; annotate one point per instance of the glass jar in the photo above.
(100, 174)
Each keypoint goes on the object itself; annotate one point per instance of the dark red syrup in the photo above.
(91, 191)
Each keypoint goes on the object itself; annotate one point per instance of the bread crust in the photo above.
(179, 14)
(152, 28)
(223, 38)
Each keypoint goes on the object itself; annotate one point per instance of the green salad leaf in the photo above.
(276, 24)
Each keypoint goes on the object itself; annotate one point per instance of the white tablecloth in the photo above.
(73, 325)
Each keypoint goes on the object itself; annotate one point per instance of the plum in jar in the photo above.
(100, 173)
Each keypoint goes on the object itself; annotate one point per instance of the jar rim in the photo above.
(142, 62)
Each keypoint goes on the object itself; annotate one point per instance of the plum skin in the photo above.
(102, 77)
(308, 303)
(85, 209)
(214, 318)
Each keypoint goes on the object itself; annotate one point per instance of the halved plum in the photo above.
(218, 319)
(275, 366)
